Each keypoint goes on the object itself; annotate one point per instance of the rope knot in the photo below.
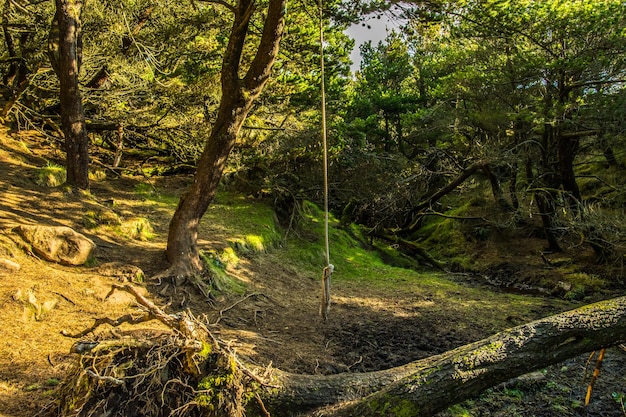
(325, 306)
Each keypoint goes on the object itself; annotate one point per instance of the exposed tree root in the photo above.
(184, 372)
(177, 276)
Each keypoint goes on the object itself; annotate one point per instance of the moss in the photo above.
(459, 411)
(137, 228)
(51, 175)
(205, 352)
(577, 293)
(229, 257)
(405, 409)
(99, 217)
(97, 175)
(220, 280)
(395, 407)
(222, 386)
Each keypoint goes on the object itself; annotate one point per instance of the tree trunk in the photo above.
(238, 95)
(496, 190)
(513, 186)
(567, 149)
(72, 113)
(548, 182)
(427, 386)
(18, 71)
(547, 212)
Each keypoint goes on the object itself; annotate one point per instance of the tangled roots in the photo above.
(176, 373)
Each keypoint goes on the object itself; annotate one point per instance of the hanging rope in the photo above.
(328, 269)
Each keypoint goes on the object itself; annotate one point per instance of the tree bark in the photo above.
(238, 95)
(427, 386)
(18, 71)
(567, 149)
(72, 114)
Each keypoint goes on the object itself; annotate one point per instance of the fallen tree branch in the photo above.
(420, 388)
(448, 216)
(180, 323)
(224, 310)
(416, 211)
(167, 319)
(414, 247)
(127, 318)
(424, 387)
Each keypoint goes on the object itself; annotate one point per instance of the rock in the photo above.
(9, 266)
(58, 244)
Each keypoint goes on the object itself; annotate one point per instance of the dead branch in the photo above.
(254, 294)
(167, 319)
(127, 318)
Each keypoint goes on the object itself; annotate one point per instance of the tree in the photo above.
(384, 91)
(521, 80)
(23, 46)
(424, 387)
(238, 95)
(67, 66)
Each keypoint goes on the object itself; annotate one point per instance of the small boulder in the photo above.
(58, 244)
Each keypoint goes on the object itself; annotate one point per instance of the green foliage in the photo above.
(251, 224)
(51, 175)
(488, 80)
(100, 217)
(448, 238)
(350, 258)
(220, 391)
(136, 228)
(459, 411)
(620, 398)
(221, 280)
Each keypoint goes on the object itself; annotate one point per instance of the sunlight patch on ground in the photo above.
(383, 304)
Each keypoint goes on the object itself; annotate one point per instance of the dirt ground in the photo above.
(275, 321)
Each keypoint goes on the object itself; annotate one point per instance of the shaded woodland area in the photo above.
(476, 122)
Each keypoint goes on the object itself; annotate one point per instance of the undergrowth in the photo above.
(51, 175)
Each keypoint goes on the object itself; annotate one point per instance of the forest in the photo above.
(181, 182)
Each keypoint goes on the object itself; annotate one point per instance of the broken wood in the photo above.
(427, 386)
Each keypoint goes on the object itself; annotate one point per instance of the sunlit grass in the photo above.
(137, 228)
(237, 226)
(51, 175)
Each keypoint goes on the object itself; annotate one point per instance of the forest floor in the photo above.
(273, 317)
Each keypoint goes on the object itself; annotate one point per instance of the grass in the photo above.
(51, 175)
(137, 228)
(360, 266)
(236, 226)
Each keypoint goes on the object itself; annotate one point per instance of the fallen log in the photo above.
(196, 375)
(424, 387)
